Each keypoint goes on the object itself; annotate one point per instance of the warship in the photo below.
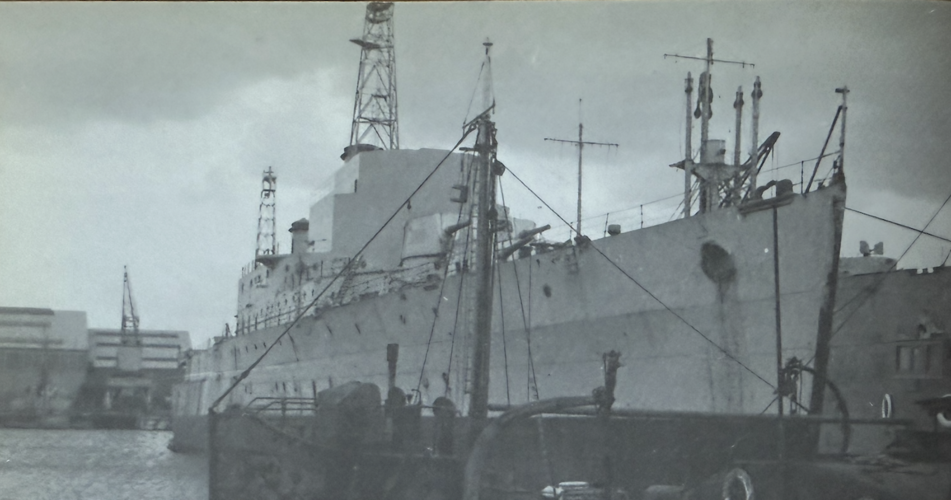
(411, 276)
(693, 301)
(387, 259)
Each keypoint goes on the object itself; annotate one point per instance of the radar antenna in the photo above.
(375, 117)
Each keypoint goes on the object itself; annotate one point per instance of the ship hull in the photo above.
(690, 304)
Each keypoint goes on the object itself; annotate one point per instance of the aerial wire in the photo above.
(526, 321)
(870, 291)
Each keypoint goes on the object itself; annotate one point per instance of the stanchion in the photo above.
(212, 455)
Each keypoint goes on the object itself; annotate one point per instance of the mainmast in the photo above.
(485, 217)
(581, 144)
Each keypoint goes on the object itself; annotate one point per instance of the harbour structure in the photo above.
(891, 344)
(114, 396)
(55, 371)
(131, 372)
(43, 362)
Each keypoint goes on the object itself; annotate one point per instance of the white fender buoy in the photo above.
(737, 477)
(887, 407)
(943, 421)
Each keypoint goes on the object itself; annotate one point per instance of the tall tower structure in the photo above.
(266, 215)
(375, 117)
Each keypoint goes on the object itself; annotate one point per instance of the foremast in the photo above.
(719, 184)
(487, 169)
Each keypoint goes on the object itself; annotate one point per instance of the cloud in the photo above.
(176, 201)
(142, 62)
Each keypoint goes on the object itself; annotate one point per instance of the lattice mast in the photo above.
(375, 109)
(267, 213)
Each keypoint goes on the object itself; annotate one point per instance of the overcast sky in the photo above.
(136, 133)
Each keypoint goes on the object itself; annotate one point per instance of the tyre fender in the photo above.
(737, 481)
(943, 421)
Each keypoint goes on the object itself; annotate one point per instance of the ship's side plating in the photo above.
(697, 328)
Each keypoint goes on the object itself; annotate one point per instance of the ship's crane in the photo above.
(129, 351)
(130, 320)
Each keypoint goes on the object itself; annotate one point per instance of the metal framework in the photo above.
(720, 184)
(267, 215)
(130, 320)
(375, 117)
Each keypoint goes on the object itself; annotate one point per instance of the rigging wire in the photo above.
(505, 354)
(870, 291)
(526, 322)
(455, 321)
(432, 329)
(648, 292)
(462, 277)
(474, 89)
(770, 405)
(693, 188)
(345, 269)
(872, 287)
